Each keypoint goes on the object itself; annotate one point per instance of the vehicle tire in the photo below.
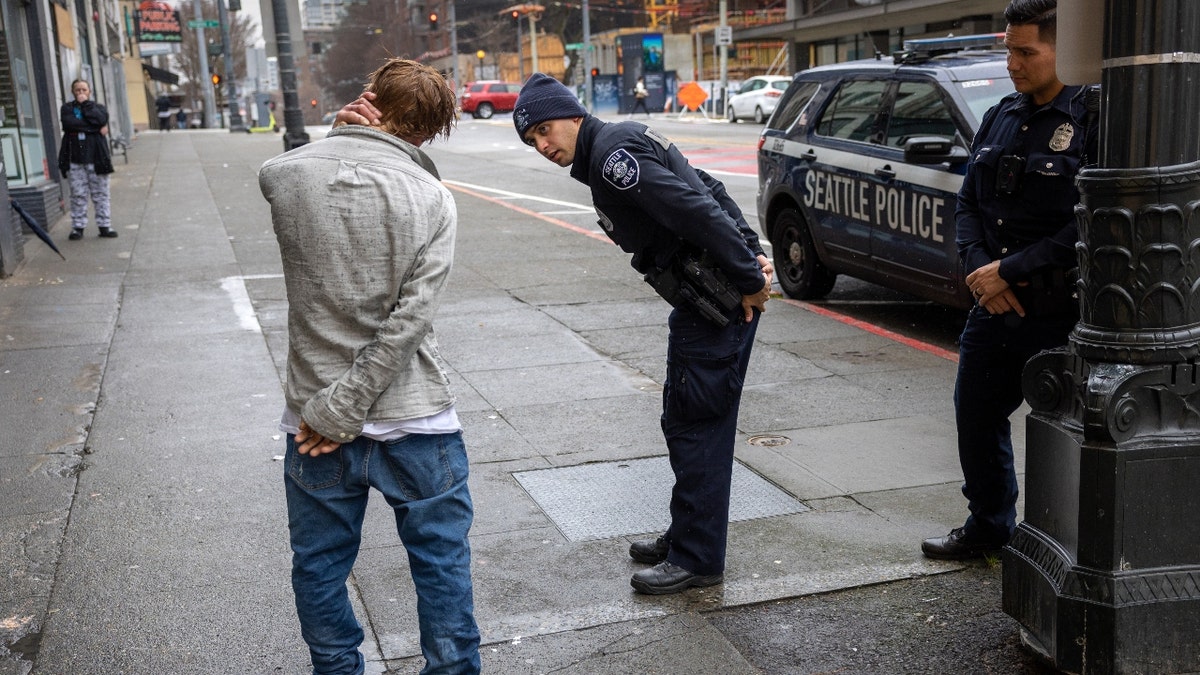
(759, 117)
(730, 114)
(484, 110)
(799, 271)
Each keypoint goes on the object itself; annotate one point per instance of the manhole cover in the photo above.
(768, 440)
(613, 499)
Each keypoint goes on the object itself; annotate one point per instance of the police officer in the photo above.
(653, 204)
(1016, 238)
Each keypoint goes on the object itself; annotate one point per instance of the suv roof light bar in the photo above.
(916, 51)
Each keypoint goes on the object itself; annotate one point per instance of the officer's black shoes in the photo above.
(665, 578)
(76, 234)
(958, 545)
(108, 233)
(649, 551)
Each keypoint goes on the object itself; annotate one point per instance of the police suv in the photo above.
(860, 165)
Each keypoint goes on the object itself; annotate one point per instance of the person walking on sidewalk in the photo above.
(640, 94)
(366, 235)
(86, 160)
(1016, 237)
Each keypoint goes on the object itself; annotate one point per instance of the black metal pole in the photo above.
(293, 120)
(235, 117)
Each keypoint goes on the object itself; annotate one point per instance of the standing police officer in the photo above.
(692, 244)
(1016, 238)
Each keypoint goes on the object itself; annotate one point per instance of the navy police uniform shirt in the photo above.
(652, 203)
(1018, 199)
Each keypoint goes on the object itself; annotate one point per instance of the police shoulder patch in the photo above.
(621, 169)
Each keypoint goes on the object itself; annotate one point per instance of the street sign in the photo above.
(724, 36)
(204, 23)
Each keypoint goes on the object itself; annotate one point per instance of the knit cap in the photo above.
(544, 98)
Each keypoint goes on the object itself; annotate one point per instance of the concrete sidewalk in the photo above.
(141, 503)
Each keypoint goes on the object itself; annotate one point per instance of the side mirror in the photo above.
(934, 150)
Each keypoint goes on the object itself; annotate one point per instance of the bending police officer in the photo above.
(1016, 238)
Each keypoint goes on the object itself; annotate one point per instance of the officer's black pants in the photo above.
(705, 369)
(992, 353)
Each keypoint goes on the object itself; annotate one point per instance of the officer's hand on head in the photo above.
(359, 111)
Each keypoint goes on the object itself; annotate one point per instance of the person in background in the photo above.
(86, 160)
(640, 94)
(162, 106)
(1016, 238)
(366, 235)
(181, 119)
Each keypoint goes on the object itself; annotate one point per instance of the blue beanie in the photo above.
(544, 98)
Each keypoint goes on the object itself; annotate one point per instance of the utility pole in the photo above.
(723, 54)
(587, 58)
(1104, 572)
(454, 48)
(210, 105)
(293, 135)
(235, 117)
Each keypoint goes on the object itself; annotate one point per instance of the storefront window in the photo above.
(20, 136)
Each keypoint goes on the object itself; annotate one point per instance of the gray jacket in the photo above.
(366, 233)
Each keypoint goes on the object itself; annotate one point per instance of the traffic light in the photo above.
(432, 21)
(216, 79)
(595, 72)
(516, 16)
(313, 102)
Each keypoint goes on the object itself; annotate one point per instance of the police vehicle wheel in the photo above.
(484, 110)
(730, 115)
(759, 117)
(800, 272)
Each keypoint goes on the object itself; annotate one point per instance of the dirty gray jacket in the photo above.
(366, 233)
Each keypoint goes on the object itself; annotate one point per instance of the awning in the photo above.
(159, 74)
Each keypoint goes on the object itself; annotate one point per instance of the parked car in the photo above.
(860, 166)
(756, 98)
(486, 97)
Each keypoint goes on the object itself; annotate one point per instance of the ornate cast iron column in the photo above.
(1104, 572)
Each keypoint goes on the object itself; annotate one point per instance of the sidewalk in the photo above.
(140, 495)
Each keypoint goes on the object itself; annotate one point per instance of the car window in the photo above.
(790, 112)
(854, 110)
(514, 88)
(919, 110)
(477, 87)
(983, 94)
(753, 85)
(781, 84)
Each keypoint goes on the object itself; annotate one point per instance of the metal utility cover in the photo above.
(613, 499)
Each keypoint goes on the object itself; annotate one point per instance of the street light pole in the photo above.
(454, 48)
(210, 105)
(587, 58)
(235, 117)
(293, 135)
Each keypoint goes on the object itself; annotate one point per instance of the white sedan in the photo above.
(756, 98)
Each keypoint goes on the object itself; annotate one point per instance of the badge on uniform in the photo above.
(1061, 140)
(621, 169)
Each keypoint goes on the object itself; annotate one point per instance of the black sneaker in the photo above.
(107, 233)
(76, 235)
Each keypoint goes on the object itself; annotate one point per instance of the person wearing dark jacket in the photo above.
(690, 241)
(85, 159)
(1016, 236)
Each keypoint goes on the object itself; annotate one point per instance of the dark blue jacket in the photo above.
(1032, 230)
(653, 204)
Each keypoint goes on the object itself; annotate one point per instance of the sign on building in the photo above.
(155, 21)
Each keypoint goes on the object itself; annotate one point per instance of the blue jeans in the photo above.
(993, 351)
(423, 477)
(706, 366)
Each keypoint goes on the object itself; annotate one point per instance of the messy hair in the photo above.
(1040, 13)
(413, 98)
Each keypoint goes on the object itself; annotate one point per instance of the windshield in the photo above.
(983, 94)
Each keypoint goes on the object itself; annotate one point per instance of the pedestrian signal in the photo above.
(216, 79)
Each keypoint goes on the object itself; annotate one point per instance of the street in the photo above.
(145, 530)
